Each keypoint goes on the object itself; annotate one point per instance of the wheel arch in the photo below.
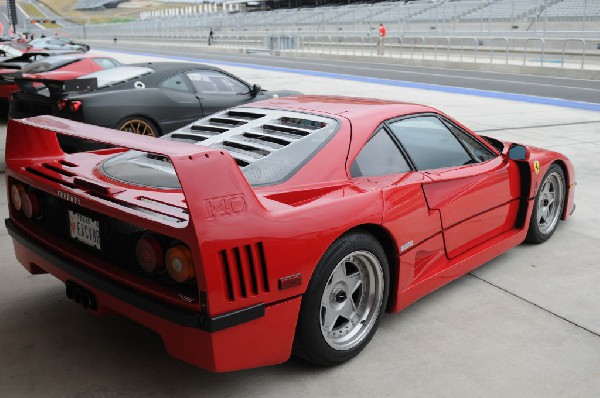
(384, 237)
(568, 179)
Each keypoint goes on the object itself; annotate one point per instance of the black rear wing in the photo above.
(57, 88)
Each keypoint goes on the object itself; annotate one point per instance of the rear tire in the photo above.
(547, 206)
(342, 306)
(139, 125)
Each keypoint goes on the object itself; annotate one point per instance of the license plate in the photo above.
(84, 229)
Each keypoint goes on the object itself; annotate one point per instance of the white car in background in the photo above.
(58, 43)
(8, 52)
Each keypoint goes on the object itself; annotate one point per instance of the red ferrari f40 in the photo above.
(284, 226)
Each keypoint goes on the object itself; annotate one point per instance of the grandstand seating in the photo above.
(401, 18)
(505, 9)
(426, 11)
(575, 9)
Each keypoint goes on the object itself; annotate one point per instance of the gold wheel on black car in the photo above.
(140, 126)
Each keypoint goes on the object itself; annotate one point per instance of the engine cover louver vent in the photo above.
(249, 136)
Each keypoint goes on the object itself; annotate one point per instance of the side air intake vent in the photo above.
(245, 271)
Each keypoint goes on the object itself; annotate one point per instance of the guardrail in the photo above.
(565, 52)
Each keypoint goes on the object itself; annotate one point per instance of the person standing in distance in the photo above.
(382, 33)
(210, 37)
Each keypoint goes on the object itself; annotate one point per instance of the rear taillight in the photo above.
(179, 263)
(15, 195)
(25, 199)
(30, 204)
(61, 104)
(74, 106)
(150, 253)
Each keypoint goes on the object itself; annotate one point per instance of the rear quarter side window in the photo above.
(380, 156)
(176, 82)
(106, 63)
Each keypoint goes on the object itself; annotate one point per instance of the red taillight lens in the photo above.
(61, 104)
(74, 106)
(150, 254)
(30, 204)
(179, 263)
(15, 195)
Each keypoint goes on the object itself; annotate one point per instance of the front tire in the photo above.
(342, 306)
(547, 206)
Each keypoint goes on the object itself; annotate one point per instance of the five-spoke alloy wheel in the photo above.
(548, 206)
(342, 306)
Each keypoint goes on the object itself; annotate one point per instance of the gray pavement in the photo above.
(523, 325)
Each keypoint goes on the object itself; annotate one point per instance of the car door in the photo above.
(180, 105)
(475, 189)
(416, 230)
(217, 91)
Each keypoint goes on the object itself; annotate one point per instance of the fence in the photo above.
(558, 53)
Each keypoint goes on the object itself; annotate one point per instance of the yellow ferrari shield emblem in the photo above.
(536, 167)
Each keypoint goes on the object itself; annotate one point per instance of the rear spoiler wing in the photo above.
(210, 179)
(57, 88)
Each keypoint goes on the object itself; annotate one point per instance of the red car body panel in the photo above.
(71, 71)
(255, 249)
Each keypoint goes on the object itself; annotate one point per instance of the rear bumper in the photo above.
(255, 336)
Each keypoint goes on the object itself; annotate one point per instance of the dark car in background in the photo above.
(151, 98)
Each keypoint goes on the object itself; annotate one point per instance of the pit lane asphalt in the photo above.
(523, 325)
(541, 86)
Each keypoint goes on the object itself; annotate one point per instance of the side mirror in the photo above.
(255, 90)
(517, 152)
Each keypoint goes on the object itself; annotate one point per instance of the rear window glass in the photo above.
(48, 64)
(268, 145)
(106, 63)
(121, 74)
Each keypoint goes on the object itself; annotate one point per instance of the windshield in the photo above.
(50, 63)
(121, 74)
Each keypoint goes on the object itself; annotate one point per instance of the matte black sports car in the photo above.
(147, 98)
